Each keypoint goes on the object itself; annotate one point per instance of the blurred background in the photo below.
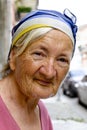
(69, 107)
(11, 11)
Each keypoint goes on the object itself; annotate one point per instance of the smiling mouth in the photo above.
(44, 82)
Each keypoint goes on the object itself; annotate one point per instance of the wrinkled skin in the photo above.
(36, 73)
(40, 70)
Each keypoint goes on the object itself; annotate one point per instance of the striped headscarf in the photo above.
(65, 22)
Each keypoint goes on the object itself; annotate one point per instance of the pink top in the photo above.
(8, 123)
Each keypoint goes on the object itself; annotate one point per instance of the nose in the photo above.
(48, 69)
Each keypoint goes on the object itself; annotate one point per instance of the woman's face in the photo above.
(40, 70)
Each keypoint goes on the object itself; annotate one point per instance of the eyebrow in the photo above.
(44, 48)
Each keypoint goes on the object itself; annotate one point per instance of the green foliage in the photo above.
(24, 9)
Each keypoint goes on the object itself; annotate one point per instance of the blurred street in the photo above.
(66, 113)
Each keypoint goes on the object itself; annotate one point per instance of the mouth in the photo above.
(44, 82)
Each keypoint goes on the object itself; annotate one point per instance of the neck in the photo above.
(10, 92)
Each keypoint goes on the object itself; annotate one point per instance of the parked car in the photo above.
(82, 91)
(69, 86)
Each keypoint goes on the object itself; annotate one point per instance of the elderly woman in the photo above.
(42, 47)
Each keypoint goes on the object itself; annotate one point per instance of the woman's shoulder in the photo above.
(45, 117)
(43, 111)
(42, 106)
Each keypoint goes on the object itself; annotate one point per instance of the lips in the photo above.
(44, 82)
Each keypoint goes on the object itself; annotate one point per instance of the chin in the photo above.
(45, 96)
(43, 92)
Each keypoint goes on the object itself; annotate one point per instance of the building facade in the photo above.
(82, 44)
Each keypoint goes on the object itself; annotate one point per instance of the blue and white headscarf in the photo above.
(65, 22)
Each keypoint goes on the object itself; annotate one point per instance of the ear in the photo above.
(12, 60)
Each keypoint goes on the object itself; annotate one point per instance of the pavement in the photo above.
(66, 113)
(69, 125)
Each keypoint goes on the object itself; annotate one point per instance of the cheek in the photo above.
(26, 66)
(63, 74)
(30, 67)
(24, 74)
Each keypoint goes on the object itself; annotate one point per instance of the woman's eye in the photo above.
(63, 62)
(38, 55)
